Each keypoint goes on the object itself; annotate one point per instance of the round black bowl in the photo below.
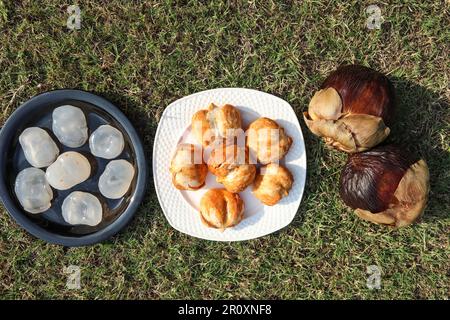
(49, 225)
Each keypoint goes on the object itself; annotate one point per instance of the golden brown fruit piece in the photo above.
(214, 122)
(187, 167)
(221, 209)
(231, 165)
(267, 140)
(353, 109)
(272, 184)
(386, 185)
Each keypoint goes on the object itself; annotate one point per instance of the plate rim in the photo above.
(141, 184)
(157, 133)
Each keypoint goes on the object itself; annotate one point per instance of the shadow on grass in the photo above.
(421, 126)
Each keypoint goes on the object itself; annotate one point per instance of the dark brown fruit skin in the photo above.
(363, 91)
(369, 179)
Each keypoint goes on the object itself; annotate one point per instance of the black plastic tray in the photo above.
(49, 225)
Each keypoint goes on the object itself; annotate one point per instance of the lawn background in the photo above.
(143, 56)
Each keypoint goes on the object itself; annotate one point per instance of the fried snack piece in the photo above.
(214, 122)
(231, 166)
(272, 184)
(267, 140)
(187, 167)
(221, 209)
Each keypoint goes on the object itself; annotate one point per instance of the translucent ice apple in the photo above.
(33, 191)
(69, 169)
(116, 179)
(106, 142)
(82, 208)
(69, 126)
(39, 148)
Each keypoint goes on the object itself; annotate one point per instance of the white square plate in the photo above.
(181, 207)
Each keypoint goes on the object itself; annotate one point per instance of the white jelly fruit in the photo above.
(82, 208)
(69, 126)
(116, 179)
(69, 169)
(106, 142)
(39, 148)
(33, 191)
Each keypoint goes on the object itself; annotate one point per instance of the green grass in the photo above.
(144, 56)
